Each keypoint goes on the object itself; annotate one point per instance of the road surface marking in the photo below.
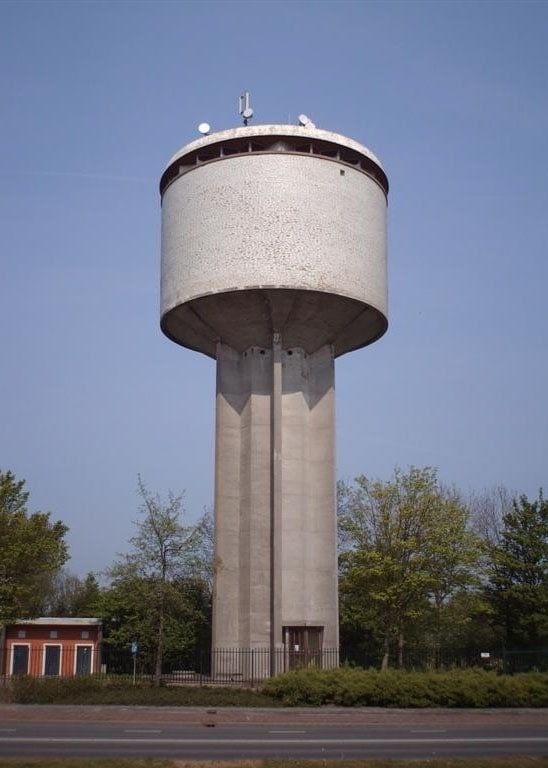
(261, 741)
(142, 730)
(287, 731)
(429, 730)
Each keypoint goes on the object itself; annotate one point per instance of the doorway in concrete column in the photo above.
(303, 647)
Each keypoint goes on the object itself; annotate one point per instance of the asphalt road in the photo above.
(126, 734)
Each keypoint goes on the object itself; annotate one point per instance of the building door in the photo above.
(303, 646)
(52, 660)
(20, 660)
(83, 660)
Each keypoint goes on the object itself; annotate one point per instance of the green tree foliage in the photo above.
(518, 589)
(467, 625)
(407, 551)
(131, 612)
(70, 595)
(159, 593)
(32, 549)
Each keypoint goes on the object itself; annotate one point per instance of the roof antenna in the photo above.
(244, 107)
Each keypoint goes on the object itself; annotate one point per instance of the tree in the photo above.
(453, 552)
(487, 510)
(32, 549)
(467, 623)
(406, 551)
(69, 595)
(130, 613)
(146, 599)
(518, 588)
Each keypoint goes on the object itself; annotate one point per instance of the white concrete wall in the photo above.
(273, 220)
(309, 543)
(242, 499)
(306, 541)
(275, 241)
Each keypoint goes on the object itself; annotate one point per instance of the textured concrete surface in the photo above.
(300, 547)
(274, 263)
(298, 240)
(242, 499)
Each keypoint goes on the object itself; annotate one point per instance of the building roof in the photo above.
(59, 621)
(252, 131)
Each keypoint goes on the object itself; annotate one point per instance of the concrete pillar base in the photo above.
(275, 520)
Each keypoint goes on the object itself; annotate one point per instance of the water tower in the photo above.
(274, 264)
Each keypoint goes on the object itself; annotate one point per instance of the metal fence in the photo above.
(426, 659)
(218, 666)
(250, 666)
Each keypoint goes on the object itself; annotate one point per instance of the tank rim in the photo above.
(232, 136)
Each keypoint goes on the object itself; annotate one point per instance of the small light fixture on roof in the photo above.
(305, 121)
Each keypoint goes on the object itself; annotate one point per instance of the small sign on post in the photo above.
(134, 651)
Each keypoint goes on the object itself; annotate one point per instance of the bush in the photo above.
(99, 691)
(351, 687)
(347, 687)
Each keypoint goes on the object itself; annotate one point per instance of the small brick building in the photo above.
(57, 647)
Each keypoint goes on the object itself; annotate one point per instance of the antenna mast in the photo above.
(244, 107)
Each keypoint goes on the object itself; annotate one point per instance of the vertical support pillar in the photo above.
(275, 522)
(230, 402)
(243, 511)
(276, 505)
(309, 534)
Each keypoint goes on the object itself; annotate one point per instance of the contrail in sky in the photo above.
(78, 175)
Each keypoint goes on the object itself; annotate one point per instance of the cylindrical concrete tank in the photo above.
(274, 227)
(274, 263)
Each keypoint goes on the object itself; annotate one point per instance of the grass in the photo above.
(469, 762)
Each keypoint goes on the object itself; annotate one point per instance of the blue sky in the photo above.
(96, 96)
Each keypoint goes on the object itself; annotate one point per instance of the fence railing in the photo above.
(246, 666)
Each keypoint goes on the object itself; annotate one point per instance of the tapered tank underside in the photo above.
(244, 318)
(275, 557)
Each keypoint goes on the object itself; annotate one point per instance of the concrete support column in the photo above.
(309, 533)
(275, 522)
(276, 640)
(242, 499)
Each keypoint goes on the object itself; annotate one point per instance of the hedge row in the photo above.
(354, 687)
(348, 687)
(98, 691)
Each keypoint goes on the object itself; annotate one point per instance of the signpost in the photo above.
(134, 651)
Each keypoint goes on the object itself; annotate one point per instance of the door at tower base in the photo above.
(275, 521)
(304, 647)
